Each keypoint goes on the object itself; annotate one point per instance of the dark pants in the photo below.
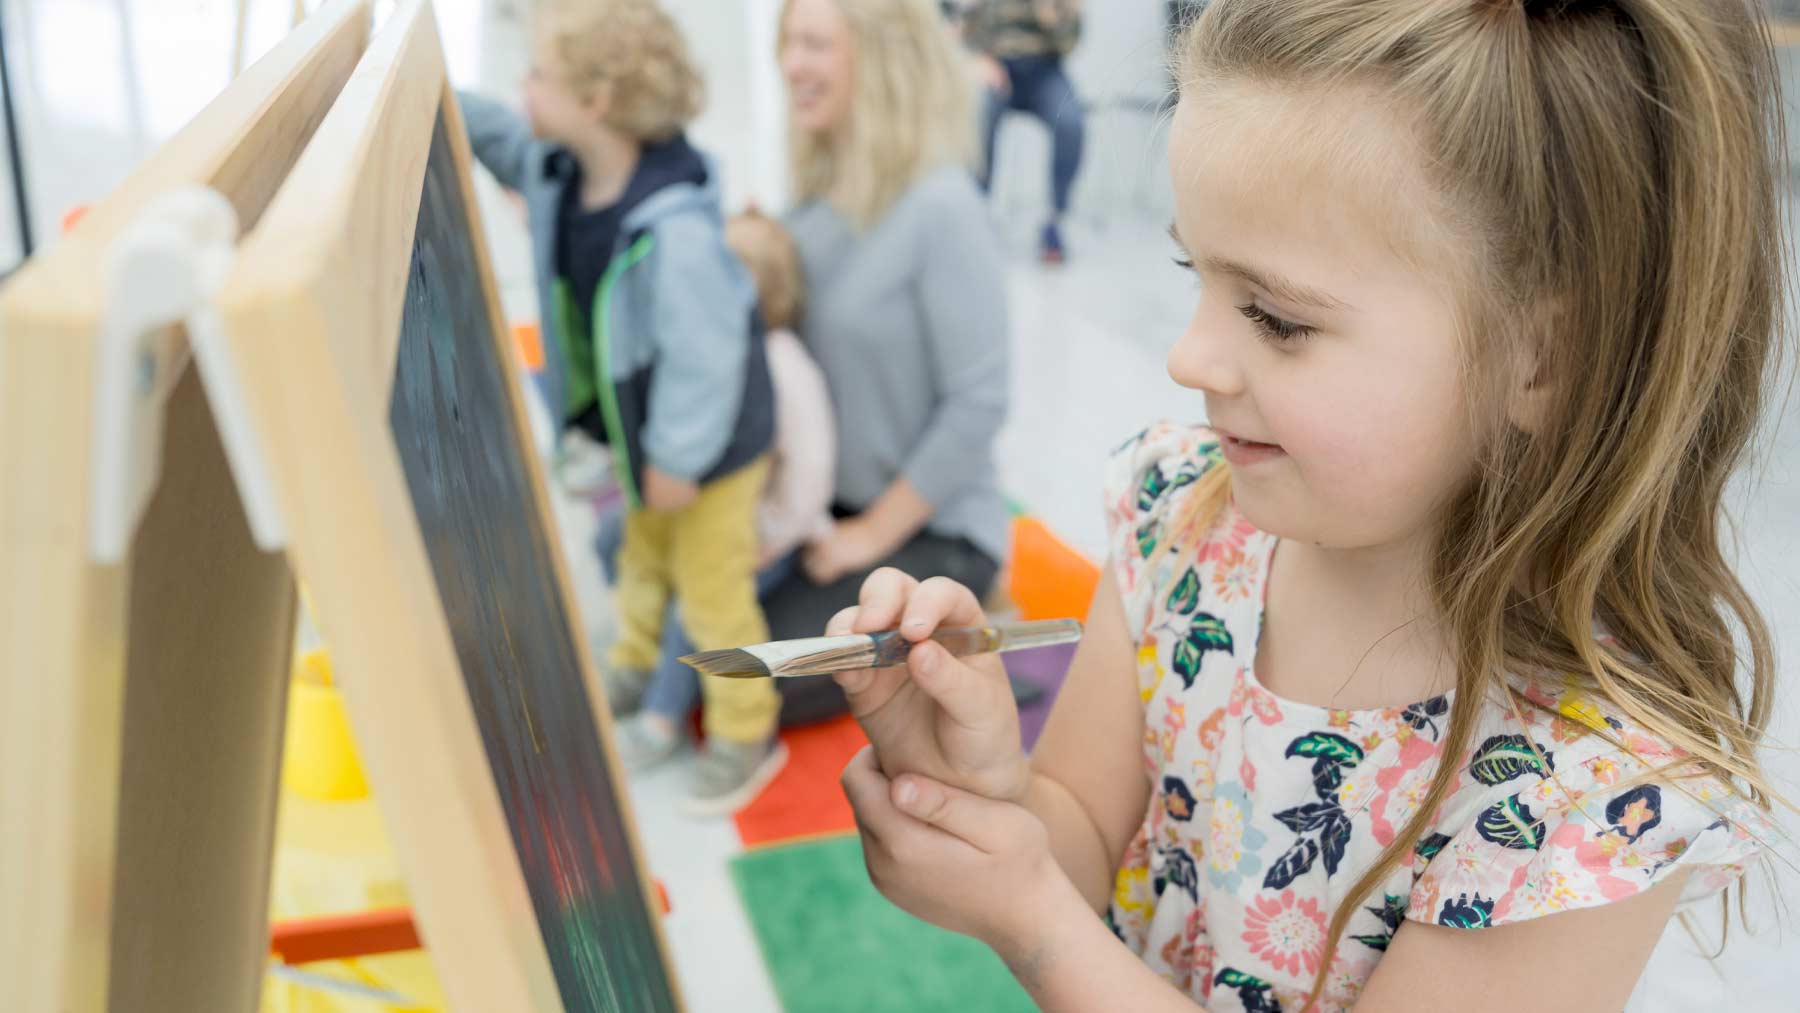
(799, 608)
(1041, 88)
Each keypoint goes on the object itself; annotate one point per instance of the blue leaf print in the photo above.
(1504, 757)
(1430, 845)
(1157, 484)
(1186, 596)
(1253, 992)
(1207, 633)
(1334, 841)
(1291, 865)
(1152, 488)
(1146, 538)
(1511, 824)
(1391, 912)
(1425, 713)
(1635, 812)
(1328, 776)
(1136, 438)
(1177, 799)
(1467, 912)
(1326, 745)
(1178, 869)
(1305, 818)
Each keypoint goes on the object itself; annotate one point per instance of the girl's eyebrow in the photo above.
(1281, 288)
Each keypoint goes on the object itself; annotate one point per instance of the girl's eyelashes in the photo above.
(1272, 328)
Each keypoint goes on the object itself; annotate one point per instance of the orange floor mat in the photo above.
(805, 799)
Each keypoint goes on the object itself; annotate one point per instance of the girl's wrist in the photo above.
(1046, 912)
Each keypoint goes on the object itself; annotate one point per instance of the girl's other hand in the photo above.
(969, 864)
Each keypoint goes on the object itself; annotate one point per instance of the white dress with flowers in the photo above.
(1264, 812)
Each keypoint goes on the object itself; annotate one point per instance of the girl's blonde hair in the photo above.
(912, 110)
(774, 262)
(1616, 166)
(634, 48)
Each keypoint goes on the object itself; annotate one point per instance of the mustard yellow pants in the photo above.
(705, 556)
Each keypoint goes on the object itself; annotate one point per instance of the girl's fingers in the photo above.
(883, 597)
(937, 602)
(970, 697)
(843, 623)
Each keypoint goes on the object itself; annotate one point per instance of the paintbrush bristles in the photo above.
(728, 664)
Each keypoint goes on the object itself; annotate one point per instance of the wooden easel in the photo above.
(363, 315)
(141, 703)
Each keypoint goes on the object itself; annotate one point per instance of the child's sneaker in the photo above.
(582, 463)
(729, 775)
(1051, 247)
(645, 740)
(625, 689)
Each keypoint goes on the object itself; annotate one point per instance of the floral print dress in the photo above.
(1264, 812)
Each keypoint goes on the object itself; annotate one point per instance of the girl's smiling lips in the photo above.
(1242, 453)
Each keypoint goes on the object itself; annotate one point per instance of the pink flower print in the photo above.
(1463, 866)
(1174, 723)
(1564, 731)
(1539, 695)
(1638, 812)
(1234, 575)
(1186, 954)
(1286, 933)
(1212, 730)
(1400, 787)
(1340, 719)
(1240, 693)
(1247, 772)
(1264, 705)
(1604, 770)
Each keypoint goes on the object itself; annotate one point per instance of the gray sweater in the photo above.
(908, 321)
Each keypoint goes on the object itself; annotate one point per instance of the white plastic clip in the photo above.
(162, 271)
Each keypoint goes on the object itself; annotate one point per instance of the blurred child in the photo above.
(660, 356)
(796, 505)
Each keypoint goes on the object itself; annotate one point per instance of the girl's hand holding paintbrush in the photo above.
(948, 718)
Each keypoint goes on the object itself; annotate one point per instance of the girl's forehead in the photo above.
(1337, 170)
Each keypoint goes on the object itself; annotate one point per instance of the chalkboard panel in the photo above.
(454, 423)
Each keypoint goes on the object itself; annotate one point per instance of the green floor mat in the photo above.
(833, 944)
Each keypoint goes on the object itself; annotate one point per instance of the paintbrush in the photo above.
(825, 655)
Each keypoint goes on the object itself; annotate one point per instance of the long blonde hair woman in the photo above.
(906, 305)
(908, 106)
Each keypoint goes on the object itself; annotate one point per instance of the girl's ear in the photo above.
(1534, 384)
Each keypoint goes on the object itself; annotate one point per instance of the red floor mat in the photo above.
(805, 799)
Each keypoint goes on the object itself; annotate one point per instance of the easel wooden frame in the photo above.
(313, 309)
(137, 839)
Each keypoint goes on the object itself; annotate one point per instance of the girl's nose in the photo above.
(1205, 360)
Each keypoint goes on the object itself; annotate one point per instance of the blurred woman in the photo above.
(906, 312)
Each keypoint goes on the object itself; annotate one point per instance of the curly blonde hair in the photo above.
(633, 48)
(774, 262)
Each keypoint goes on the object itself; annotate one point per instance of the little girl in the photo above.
(1430, 632)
